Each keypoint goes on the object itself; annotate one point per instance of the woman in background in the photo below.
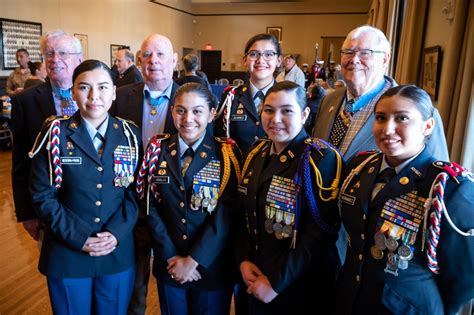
(38, 74)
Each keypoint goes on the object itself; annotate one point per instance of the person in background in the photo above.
(307, 75)
(89, 206)
(409, 218)
(315, 96)
(288, 207)
(291, 71)
(127, 71)
(38, 74)
(191, 64)
(16, 79)
(193, 193)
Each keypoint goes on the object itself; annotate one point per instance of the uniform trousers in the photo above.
(108, 294)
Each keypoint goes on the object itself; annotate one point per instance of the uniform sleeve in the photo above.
(456, 252)
(64, 223)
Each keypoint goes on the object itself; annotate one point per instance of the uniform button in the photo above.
(364, 217)
(181, 188)
(256, 138)
(362, 236)
(358, 278)
(257, 123)
(181, 204)
(256, 247)
(185, 237)
(98, 203)
(183, 220)
(97, 220)
(99, 186)
(254, 214)
(255, 231)
(361, 256)
(99, 168)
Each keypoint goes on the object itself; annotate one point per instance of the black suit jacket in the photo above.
(129, 105)
(130, 76)
(29, 110)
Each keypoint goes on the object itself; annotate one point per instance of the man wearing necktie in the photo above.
(62, 53)
(148, 104)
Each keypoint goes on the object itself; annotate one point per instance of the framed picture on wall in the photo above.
(85, 45)
(113, 51)
(431, 71)
(275, 31)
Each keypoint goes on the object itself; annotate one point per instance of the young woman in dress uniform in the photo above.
(288, 195)
(238, 115)
(191, 189)
(81, 190)
(411, 232)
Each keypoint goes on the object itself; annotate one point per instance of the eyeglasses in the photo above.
(255, 54)
(63, 55)
(361, 53)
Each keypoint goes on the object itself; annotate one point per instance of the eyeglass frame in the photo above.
(353, 52)
(261, 54)
(63, 55)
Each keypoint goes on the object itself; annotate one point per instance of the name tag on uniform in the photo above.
(348, 199)
(71, 160)
(238, 117)
(161, 180)
(242, 190)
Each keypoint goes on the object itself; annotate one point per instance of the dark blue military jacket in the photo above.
(307, 273)
(365, 288)
(245, 125)
(87, 203)
(178, 230)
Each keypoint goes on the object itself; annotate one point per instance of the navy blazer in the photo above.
(245, 126)
(130, 76)
(29, 110)
(307, 272)
(364, 140)
(364, 287)
(85, 204)
(178, 230)
(129, 105)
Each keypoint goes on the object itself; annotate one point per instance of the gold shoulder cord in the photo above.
(250, 157)
(229, 156)
(335, 183)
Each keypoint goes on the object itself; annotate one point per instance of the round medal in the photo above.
(213, 202)
(205, 202)
(269, 226)
(403, 264)
(379, 238)
(405, 253)
(277, 227)
(376, 252)
(278, 235)
(287, 231)
(391, 243)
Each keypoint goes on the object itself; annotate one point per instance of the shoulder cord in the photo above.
(229, 156)
(148, 168)
(226, 108)
(127, 130)
(250, 157)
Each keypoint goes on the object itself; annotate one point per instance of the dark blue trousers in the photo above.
(177, 301)
(100, 295)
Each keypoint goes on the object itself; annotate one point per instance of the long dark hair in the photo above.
(89, 65)
(420, 98)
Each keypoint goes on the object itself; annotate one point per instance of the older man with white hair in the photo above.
(62, 53)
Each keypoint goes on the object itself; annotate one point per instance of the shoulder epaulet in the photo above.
(226, 140)
(162, 136)
(453, 169)
(127, 120)
(228, 88)
(368, 152)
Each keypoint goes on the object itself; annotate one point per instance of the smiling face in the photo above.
(191, 114)
(94, 92)
(282, 118)
(261, 70)
(22, 59)
(60, 68)
(399, 129)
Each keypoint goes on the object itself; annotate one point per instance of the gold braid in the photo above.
(250, 157)
(335, 182)
(229, 156)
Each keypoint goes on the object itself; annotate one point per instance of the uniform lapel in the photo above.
(112, 136)
(171, 156)
(327, 115)
(169, 124)
(45, 100)
(80, 136)
(246, 100)
(205, 152)
(135, 97)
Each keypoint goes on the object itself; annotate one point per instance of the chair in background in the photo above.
(223, 81)
(237, 82)
(6, 138)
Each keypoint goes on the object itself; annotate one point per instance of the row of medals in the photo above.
(397, 256)
(276, 227)
(123, 181)
(199, 200)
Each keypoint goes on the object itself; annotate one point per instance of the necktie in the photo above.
(383, 178)
(67, 103)
(341, 124)
(155, 102)
(186, 159)
(258, 100)
(98, 142)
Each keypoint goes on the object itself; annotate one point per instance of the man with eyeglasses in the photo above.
(291, 71)
(62, 53)
(148, 104)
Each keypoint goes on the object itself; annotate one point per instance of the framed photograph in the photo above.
(113, 51)
(431, 71)
(16, 34)
(85, 45)
(275, 31)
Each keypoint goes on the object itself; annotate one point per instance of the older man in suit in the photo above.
(128, 73)
(148, 104)
(345, 117)
(62, 53)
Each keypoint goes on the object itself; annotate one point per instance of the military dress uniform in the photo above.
(77, 193)
(294, 248)
(395, 262)
(191, 215)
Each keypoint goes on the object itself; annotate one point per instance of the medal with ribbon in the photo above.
(280, 207)
(206, 187)
(125, 162)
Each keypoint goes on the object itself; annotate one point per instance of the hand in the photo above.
(102, 245)
(33, 227)
(262, 290)
(182, 269)
(249, 272)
